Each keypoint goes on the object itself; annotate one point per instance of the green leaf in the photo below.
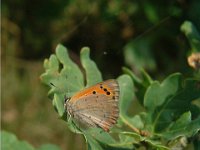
(58, 103)
(182, 121)
(135, 79)
(126, 98)
(161, 100)
(126, 141)
(97, 139)
(183, 126)
(92, 143)
(137, 121)
(74, 80)
(155, 145)
(130, 138)
(192, 34)
(126, 93)
(163, 117)
(156, 96)
(10, 142)
(51, 66)
(141, 84)
(157, 93)
(93, 74)
(68, 79)
(138, 55)
(97, 134)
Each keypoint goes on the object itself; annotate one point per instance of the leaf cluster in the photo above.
(170, 113)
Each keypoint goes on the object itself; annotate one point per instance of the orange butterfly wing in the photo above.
(96, 106)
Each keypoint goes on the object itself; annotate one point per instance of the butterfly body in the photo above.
(96, 106)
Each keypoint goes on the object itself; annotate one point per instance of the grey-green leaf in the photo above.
(93, 75)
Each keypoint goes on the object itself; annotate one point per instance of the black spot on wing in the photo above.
(108, 93)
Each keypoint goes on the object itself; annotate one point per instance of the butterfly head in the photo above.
(67, 106)
(66, 101)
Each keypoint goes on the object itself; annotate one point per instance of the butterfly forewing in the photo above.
(96, 106)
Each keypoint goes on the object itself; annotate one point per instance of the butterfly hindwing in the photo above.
(96, 106)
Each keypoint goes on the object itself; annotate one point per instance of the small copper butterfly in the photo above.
(96, 106)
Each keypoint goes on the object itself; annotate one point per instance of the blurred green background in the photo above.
(139, 34)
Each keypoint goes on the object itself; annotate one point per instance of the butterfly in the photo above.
(96, 106)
